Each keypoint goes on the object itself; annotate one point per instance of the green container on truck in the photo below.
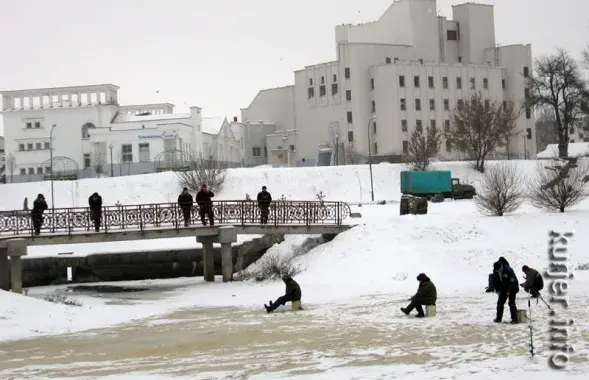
(429, 183)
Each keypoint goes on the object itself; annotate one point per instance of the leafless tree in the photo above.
(352, 156)
(11, 165)
(586, 57)
(502, 190)
(546, 131)
(559, 85)
(98, 162)
(480, 126)
(204, 171)
(557, 187)
(423, 147)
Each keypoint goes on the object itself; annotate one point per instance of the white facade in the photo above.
(375, 71)
(220, 142)
(89, 127)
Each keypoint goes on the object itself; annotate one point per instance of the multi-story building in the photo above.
(403, 72)
(90, 133)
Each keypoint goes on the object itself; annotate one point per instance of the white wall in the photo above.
(274, 105)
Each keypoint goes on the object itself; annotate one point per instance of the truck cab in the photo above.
(461, 191)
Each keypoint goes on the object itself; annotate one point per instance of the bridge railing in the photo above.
(162, 215)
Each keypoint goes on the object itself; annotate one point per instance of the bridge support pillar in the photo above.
(208, 260)
(16, 249)
(227, 236)
(4, 272)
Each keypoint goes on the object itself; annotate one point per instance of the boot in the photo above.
(268, 308)
(420, 315)
(513, 312)
(499, 314)
(405, 311)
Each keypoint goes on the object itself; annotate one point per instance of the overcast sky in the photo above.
(218, 54)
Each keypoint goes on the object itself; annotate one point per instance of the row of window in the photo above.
(36, 146)
(32, 171)
(257, 151)
(33, 124)
(431, 82)
(448, 146)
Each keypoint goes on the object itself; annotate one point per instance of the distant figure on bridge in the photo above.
(534, 281)
(205, 205)
(25, 205)
(292, 294)
(95, 203)
(185, 201)
(426, 295)
(264, 200)
(39, 205)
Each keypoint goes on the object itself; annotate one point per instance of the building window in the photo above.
(38, 146)
(459, 83)
(310, 81)
(37, 124)
(374, 127)
(401, 80)
(528, 113)
(47, 145)
(349, 116)
(503, 84)
(350, 136)
(127, 152)
(322, 91)
(418, 126)
(291, 148)
(85, 130)
(311, 92)
(417, 104)
(486, 83)
(529, 134)
(265, 151)
(527, 93)
(375, 148)
(432, 124)
(526, 71)
(31, 171)
(373, 106)
(403, 105)
(48, 170)
(460, 103)
(430, 82)
(452, 35)
(334, 89)
(448, 146)
(29, 146)
(347, 73)
(416, 81)
(405, 147)
(372, 83)
(460, 59)
(445, 83)
(388, 60)
(334, 77)
(21, 147)
(257, 151)
(505, 104)
(349, 95)
(472, 84)
(322, 80)
(404, 125)
(446, 125)
(29, 125)
(144, 155)
(87, 161)
(446, 105)
(23, 171)
(432, 104)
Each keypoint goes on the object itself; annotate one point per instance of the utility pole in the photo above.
(111, 164)
(51, 164)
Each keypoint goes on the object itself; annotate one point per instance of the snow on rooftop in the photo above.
(212, 125)
(575, 150)
(121, 118)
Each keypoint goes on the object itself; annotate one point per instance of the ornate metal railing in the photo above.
(154, 216)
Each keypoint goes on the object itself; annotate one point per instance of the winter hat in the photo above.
(421, 277)
(40, 196)
(286, 277)
(95, 194)
(185, 189)
(497, 266)
(525, 269)
(263, 187)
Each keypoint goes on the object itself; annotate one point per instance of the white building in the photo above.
(220, 141)
(404, 71)
(93, 134)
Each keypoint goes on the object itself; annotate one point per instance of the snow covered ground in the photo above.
(353, 288)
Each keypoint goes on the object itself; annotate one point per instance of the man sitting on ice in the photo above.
(426, 295)
(534, 281)
(292, 294)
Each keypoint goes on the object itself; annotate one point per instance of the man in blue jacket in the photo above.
(506, 286)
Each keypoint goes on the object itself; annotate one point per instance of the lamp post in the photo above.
(370, 157)
(111, 164)
(51, 164)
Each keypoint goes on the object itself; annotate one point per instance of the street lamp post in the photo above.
(370, 157)
(111, 164)
(51, 164)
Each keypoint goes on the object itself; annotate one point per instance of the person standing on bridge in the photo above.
(95, 203)
(205, 205)
(185, 201)
(264, 200)
(39, 205)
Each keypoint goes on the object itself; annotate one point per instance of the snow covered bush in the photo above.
(62, 299)
(270, 267)
(501, 190)
(208, 172)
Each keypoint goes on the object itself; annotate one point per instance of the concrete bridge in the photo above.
(160, 221)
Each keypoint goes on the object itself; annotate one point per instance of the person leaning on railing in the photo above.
(205, 205)
(39, 205)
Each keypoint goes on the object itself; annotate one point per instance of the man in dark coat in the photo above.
(95, 203)
(264, 199)
(534, 281)
(185, 201)
(426, 295)
(506, 286)
(39, 205)
(205, 205)
(292, 294)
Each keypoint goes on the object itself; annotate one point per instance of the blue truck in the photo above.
(428, 184)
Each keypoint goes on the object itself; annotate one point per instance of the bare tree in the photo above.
(558, 84)
(207, 171)
(502, 190)
(352, 156)
(480, 126)
(98, 162)
(557, 187)
(546, 131)
(423, 147)
(586, 56)
(11, 165)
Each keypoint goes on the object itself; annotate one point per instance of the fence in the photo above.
(162, 215)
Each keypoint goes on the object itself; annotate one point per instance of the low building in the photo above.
(254, 142)
(220, 142)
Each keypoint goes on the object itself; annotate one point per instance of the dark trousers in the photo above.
(96, 217)
(206, 210)
(37, 220)
(414, 305)
(279, 302)
(510, 302)
(187, 214)
(264, 213)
